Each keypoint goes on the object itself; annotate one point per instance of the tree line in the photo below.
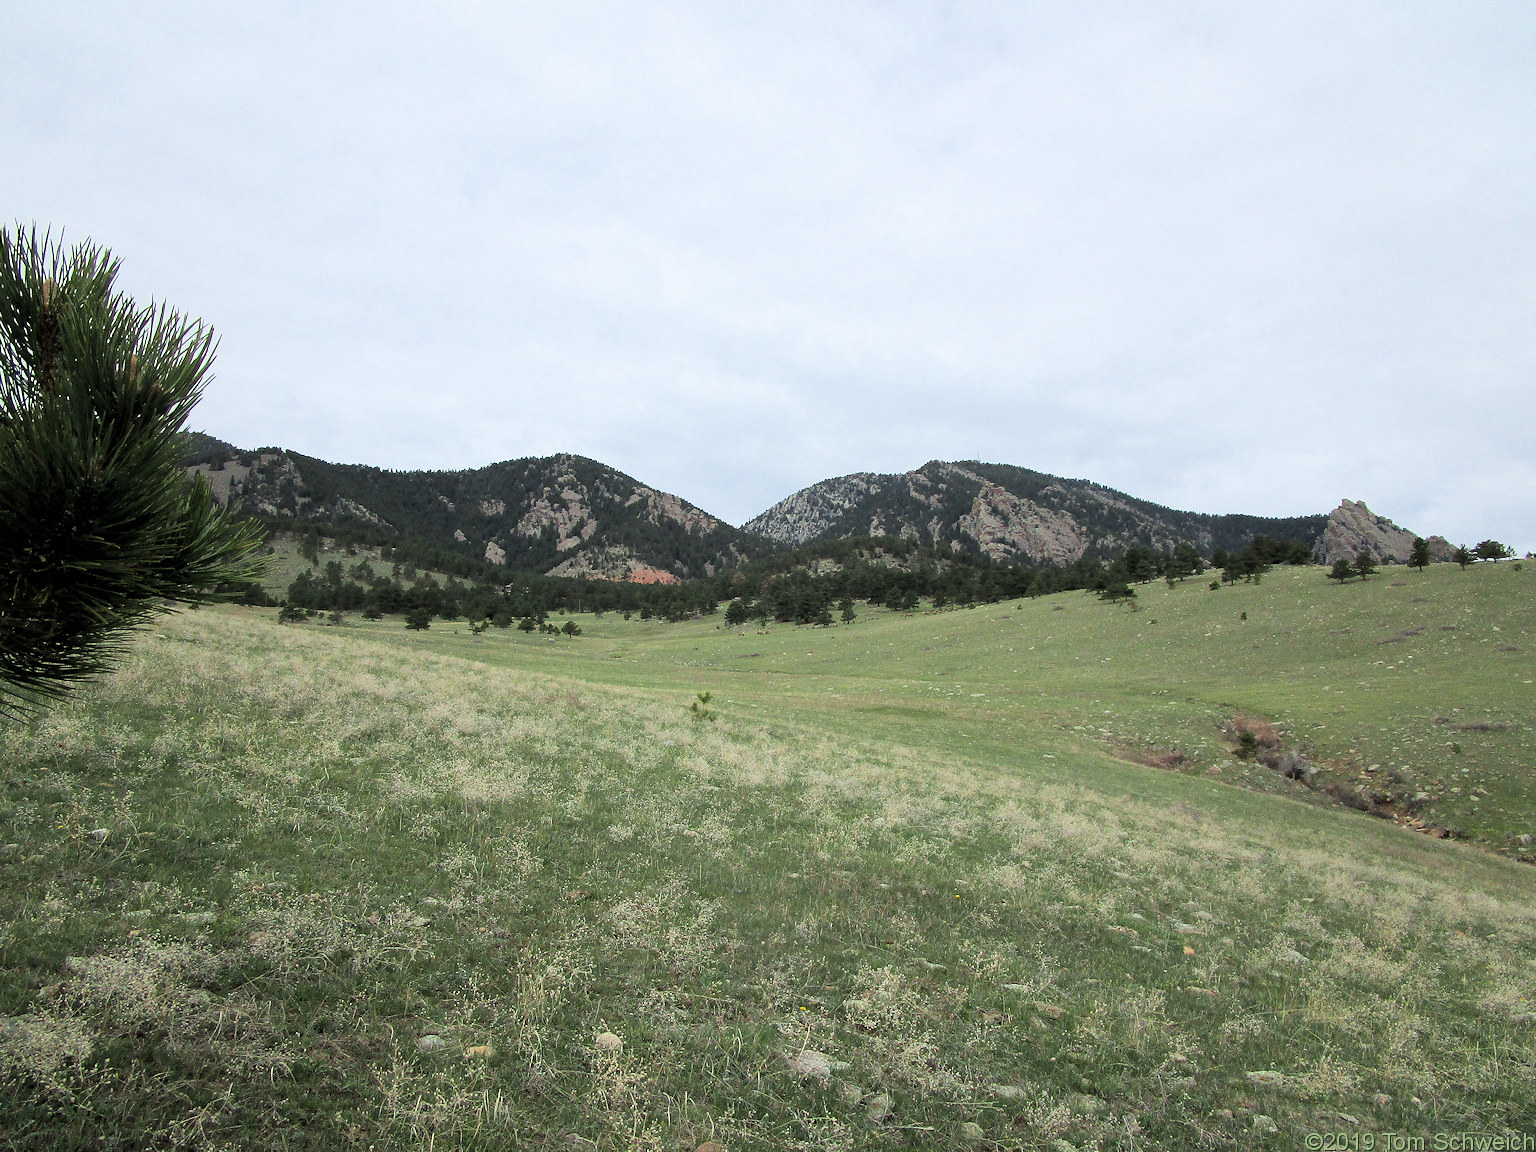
(805, 586)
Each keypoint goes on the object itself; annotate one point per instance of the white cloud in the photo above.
(1228, 258)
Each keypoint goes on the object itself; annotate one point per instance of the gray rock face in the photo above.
(1352, 526)
(813, 511)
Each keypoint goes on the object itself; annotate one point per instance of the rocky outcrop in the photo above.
(1004, 525)
(811, 512)
(614, 563)
(1353, 527)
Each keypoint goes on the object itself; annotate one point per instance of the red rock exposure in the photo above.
(652, 576)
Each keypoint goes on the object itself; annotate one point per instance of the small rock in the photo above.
(710, 1146)
(1381, 1099)
(1054, 1011)
(851, 1093)
(810, 1063)
(1007, 1091)
(608, 1042)
(971, 1130)
(1267, 1077)
(1224, 1113)
(98, 834)
(1347, 1118)
(431, 1042)
(879, 1107)
(1015, 987)
(1265, 1124)
(480, 1052)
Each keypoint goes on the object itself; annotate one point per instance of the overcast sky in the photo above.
(1228, 257)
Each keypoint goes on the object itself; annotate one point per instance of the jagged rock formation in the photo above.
(565, 515)
(1352, 526)
(812, 512)
(1006, 513)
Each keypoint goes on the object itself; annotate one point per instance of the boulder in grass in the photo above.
(811, 1064)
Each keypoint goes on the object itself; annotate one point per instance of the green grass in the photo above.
(249, 874)
(1356, 676)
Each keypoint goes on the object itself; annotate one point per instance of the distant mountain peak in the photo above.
(563, 514)
(1006, 513)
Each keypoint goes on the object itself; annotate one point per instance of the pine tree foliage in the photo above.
(100, 526)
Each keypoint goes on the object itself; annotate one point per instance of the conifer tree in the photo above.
(100, 525)
(1419, 556)
(1492, 550)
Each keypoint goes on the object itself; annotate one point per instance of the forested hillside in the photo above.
(1006, 513)
(564, 515)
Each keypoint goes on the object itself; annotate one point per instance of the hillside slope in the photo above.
(1007, 513)
(294, 887)
(564, 515)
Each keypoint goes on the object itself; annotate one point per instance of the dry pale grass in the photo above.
(717, 898)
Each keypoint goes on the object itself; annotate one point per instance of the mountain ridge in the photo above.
(568, 515)
(1009, 514)
(563, 515)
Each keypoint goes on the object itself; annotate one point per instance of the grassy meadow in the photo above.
(914, 882)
